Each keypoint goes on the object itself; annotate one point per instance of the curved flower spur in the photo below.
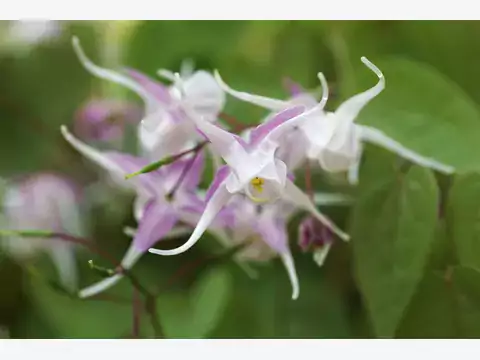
(335, 140)
(157, 209)
(253, 169)
(164, 130)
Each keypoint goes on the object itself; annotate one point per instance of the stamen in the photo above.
(257, 183)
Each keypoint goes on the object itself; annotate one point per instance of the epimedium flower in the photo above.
(24, 34)
(164, 129)
(253, 169)
(104, 120)
(335, 140)
(44, 201)
(316, 238)
(263, 228)
(165, 198)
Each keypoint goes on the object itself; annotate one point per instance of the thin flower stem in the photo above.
(236, 125)
(165, 161)
(185, 171)
(151, 307)
(136, 307)
(149, 297)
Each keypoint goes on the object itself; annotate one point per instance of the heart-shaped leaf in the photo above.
(393, 226)
(425, 111)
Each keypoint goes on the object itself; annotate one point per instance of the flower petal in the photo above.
(299, 198)
(277, 132)
(320, 254)
(379, 138)
(117, 164)
(155, 88)
(262, 101)
(158, 220)
(113, 76)
(213, 207)
(130, 258)
(257, 134)
(204, 94)
(219, 177)
(287, 259)
(63, 256)
(343, 150)
(227, 145)
(331, 199)
(348, 111)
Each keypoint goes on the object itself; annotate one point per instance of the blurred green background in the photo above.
(430, 104)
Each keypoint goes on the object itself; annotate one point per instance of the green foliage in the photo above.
(392, 231)
(412, 267)
(196, 313)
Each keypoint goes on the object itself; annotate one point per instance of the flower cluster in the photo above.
(253, 193)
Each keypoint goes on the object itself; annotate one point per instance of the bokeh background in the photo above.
(432, 74)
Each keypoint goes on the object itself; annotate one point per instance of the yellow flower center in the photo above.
(257, 183)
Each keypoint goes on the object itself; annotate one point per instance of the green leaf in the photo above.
(430, 315)
(165, 44)
(393, 226)
(73, 319)
(446, 305)
(445, 45)
(424, 111)
(463, 214)
(263, 308)
(197, 314)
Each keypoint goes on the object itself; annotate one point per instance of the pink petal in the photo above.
(157, 89)
(261, 131)
(157, 221)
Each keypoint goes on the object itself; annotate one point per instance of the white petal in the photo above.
(131, 257)
(93, 154)
(377, 137)
(167, 74)
(299, 198)
(63, 256)
(287, 259)
(348, 111)
(187, 68)
(113, 76)
(331, 199)
(216, 203)
(307, 116)
(353, 172)
(262, 101)
(319, 255)
(226, 145)
(99, 287)
(203, 94)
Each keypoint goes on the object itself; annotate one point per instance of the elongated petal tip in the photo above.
(323, 82)
(64, 130)
(372, 67)
(292, 273)
(155, 251)
(219, 80)
(75, 40)
(166, 74)
(99, 287)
